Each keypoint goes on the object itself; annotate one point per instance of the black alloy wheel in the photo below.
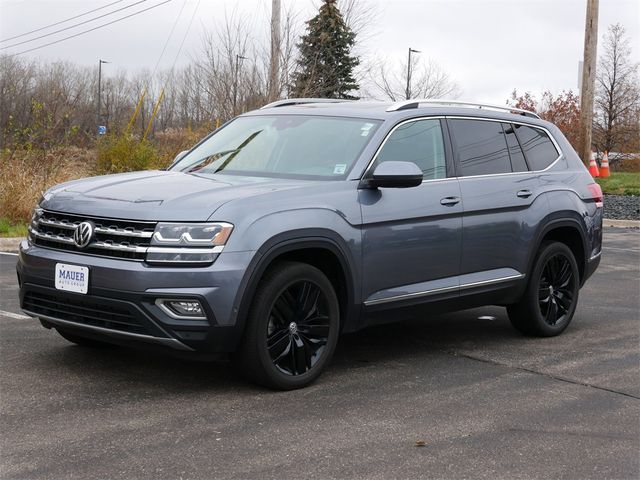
(549, 301)
(292, 327)
(556, 288)
(298, 328)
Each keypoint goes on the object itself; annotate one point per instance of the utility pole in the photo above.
(408, 91)
(235, 82)
(588, 79)
(99, 106)
(274, 64)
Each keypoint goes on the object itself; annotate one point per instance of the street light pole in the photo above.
(100, 62)
(408, 90)
(235, 82)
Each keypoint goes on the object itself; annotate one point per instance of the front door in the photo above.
(412, 236)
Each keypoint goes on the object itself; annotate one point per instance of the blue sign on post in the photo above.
(102, 129)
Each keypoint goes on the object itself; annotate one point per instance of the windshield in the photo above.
(282, 146)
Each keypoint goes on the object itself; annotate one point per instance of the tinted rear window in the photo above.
(481, 147)
(518, 163)
(538, 147)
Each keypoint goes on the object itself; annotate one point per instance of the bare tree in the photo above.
(428, 80)
(617, 99)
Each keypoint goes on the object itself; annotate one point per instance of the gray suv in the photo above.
(309, 218)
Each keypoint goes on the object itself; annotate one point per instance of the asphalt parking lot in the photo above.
(487, 402)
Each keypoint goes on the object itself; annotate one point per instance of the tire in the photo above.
(83, 341)
(289, 338)
(550, 299)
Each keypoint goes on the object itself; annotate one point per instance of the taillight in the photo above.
(596, 194)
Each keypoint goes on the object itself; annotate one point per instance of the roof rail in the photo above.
(300, 101)
(415, 103)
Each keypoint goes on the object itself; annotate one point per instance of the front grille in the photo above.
(126, 239)
(86, 311)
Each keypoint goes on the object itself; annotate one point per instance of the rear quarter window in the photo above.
(538, 148)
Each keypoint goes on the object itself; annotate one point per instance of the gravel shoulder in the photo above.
(622, 207)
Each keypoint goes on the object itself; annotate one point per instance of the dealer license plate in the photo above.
(72, 278)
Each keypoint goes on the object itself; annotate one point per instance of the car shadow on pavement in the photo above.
(375, 345)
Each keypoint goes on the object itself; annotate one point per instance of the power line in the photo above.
(166, 43)
(73, 26)
(90, 29)
(193, 16)
(61, 21)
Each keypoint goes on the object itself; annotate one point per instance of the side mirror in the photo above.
(394, 175)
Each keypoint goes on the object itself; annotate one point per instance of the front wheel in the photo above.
(551, 297)
(292, 328)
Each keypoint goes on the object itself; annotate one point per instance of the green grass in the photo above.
(8, 229)
(621, 183)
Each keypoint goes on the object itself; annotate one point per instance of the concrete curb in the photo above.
(621, 223)
(10, 244)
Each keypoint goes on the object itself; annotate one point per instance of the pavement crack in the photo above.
(537, 372)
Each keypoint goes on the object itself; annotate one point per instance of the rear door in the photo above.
(498, 193)
(412, 236)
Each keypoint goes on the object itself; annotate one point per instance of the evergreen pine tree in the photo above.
(325, 66)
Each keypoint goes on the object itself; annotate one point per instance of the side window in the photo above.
(481, 147)
(518, 164)
(538, 147)
(419, 142)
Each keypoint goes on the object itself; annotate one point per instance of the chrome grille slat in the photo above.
(123, 233)
(117, 247)
(53, 238)
(55, 223)
(116, 238)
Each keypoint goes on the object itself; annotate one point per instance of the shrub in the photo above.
(125, 153)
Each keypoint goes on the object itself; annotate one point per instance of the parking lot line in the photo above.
(9, 253)
(17, 316)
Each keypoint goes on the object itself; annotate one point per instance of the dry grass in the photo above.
(25, 175)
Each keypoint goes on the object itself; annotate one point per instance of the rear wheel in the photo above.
(550, 300)
(292, 328)
(82, 341)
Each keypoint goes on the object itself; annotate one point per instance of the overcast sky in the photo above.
(488, 46)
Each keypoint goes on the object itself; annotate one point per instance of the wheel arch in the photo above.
(321, 248)
(567, 230)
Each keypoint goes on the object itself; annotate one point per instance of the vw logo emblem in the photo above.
(83, 234)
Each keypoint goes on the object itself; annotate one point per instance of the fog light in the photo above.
(181, 308)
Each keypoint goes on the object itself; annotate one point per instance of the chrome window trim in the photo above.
(553, 140)
(468, 117)
(433, 291)
(413, 119)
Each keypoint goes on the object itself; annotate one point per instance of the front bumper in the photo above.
(120, 307)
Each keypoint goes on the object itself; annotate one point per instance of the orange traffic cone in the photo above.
(593, 166)
(604, 165)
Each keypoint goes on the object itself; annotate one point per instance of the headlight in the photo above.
(188, 242)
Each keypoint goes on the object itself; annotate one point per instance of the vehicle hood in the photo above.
(158, 195)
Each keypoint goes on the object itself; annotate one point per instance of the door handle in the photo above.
(449, 201)
(524, 193)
